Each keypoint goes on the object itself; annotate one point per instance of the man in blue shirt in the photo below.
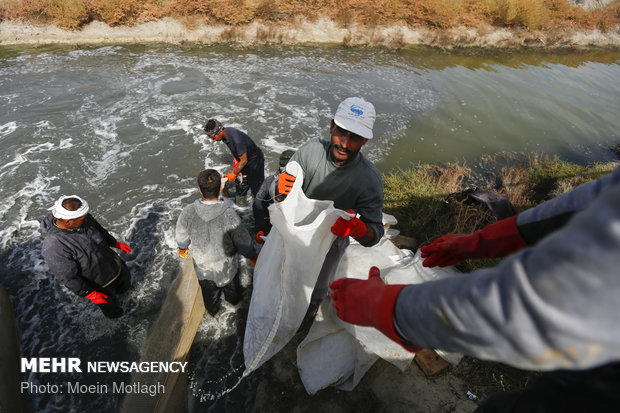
(249, 160)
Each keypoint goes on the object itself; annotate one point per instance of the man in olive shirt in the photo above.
(336, 170)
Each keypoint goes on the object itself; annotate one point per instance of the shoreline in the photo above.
(322, 31)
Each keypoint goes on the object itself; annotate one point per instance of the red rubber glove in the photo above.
(285, 183)
(231, 176)
(97, 298)
(258, 236)
(353, 227)
(495, 240)
(183, 253)
(123, 247)
(368, 303)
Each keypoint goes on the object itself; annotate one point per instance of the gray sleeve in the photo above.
(548, 307)
(183, 225)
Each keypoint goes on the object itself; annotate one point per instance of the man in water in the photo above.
(336, 170)
(77, 251)
(249, 160)
(216, 236)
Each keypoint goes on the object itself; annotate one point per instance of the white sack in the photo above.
(286, 271)
(338, 353)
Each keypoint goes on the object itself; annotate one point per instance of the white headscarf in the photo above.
(61, 212)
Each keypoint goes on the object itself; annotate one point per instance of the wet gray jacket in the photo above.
(550, 306)
(216, 235)
(81, 259)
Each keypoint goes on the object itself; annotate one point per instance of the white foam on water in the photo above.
(104, 150)
(7, 129)
(15, 210)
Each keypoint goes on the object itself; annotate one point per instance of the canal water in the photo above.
(121, 126)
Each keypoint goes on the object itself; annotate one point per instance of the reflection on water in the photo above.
(122, 127)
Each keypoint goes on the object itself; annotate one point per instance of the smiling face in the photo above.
(345, 144)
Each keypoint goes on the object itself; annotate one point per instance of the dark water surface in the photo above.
(121, 126)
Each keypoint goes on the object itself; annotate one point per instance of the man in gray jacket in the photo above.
(336, 170)
(216, 236)
(77, 251)
(551, 306)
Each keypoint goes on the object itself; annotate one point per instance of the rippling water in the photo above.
(121, 126)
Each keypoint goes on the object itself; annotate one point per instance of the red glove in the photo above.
(231, 176)
(368, 303)
(97, 298)
(124, 247)
(285, 183)
(353, 227)
(495, 240)
(258, 236)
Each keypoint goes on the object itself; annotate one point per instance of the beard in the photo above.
(341, 154)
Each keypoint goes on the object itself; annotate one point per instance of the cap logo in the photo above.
(357, 110)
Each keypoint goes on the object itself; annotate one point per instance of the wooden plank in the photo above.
(170, 340)
(404, 242)
(430, 363)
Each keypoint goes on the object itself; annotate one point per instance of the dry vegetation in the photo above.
(423, 198)
(518, 14)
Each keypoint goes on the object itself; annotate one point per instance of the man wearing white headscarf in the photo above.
(77, 251)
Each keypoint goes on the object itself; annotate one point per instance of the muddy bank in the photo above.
(323, 31)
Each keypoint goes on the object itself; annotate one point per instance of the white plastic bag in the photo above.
(286, 271)
(336, 353)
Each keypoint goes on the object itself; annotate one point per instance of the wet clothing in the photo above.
(357, 185)
(215, 234)
(113, 308)
(261, 204)
(80, 259)
(254, 171)
(211, 294)
(83, 261)
(551, 307)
